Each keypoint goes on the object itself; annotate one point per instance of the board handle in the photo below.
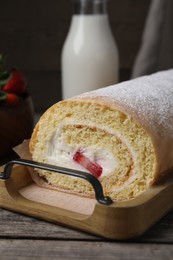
(105, 200)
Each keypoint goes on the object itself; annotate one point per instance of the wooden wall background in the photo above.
(32, 33)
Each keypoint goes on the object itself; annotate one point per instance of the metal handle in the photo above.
(84, 175)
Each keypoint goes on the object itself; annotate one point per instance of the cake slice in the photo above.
(122, 134)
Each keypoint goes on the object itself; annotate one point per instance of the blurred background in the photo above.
(33, 33)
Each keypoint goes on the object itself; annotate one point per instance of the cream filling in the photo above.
(59, 153)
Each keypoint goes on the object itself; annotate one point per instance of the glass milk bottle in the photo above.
(89, 56)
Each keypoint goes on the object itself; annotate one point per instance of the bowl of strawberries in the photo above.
(16, 109)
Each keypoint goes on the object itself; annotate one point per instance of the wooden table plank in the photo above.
(14, 225)
(41, 249)
(24, 237)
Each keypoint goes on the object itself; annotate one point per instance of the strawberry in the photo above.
(92, 167)
(16, 84)
(12, 99)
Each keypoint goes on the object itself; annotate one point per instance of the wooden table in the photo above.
(23, 237)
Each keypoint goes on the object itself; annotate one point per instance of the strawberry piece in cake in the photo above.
(92, 167)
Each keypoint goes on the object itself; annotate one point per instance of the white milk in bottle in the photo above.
(89, 56)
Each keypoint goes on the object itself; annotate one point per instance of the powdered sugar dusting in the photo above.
(148, 98)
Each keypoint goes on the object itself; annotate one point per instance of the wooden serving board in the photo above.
(121, 220)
